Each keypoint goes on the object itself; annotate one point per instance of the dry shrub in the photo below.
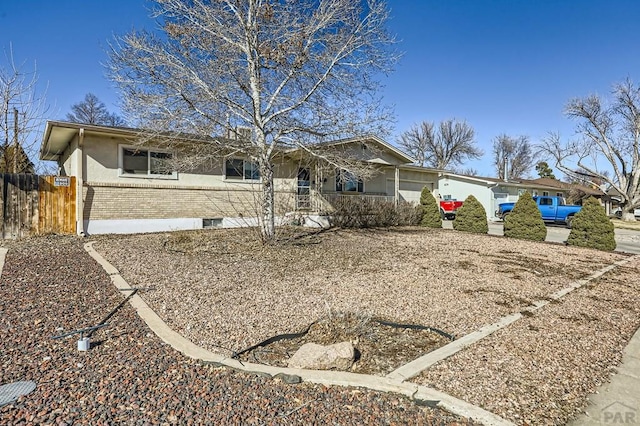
(360, 212)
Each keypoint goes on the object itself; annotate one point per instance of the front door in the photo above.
(303, 196)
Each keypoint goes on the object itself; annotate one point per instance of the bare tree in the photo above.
(93, 111)
(419, 142)
(469, 171)
(295, 72)
(22, 111)
(516, 153)
(451, 145)
(608, 146)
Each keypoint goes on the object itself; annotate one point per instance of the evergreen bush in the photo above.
(525, 221)
(591, 227)
(430, 210)
(471, 217)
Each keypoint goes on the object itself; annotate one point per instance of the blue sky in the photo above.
(504, 66)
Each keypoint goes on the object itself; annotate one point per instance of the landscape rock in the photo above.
(129, 376)
(339, 356)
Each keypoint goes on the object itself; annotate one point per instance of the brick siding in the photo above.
(116, 201)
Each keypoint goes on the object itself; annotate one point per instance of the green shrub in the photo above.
(525, 221)
(471, 217)
(430, 210)
(360, 212)
(592, 228)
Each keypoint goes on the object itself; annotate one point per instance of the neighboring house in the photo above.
(123, 187)
(577, 193)
(490, 192)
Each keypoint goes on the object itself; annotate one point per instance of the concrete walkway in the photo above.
(616, 403)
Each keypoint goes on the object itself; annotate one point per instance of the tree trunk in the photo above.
(267, 219)
(628, 216)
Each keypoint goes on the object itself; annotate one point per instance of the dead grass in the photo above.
(626, 225)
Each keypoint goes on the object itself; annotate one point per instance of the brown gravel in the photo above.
(381, 347)
(539, 369)
(50, 285)
(225, 292)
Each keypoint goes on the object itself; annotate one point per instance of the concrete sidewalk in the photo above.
(618, 402)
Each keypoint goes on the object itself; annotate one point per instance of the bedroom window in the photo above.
(146, 162)
(238, 169)
(348, 182)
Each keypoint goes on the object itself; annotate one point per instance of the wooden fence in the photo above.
(35, 205)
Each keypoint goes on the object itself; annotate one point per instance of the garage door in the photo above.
(409, 191)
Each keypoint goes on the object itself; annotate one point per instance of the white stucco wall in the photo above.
(459, 189)
(101, 165)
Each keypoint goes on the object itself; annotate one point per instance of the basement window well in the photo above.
(211, 223)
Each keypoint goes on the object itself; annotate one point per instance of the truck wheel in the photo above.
(569, 221)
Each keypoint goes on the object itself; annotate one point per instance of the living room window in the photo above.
(348, 182)
(239, 169)
(145, 162)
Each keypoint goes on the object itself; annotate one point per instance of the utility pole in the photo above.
(15, 140)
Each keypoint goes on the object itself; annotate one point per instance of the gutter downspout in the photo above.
(396, 186)
(79, 185)
(493, 213)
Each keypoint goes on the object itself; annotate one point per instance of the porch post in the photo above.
(396, 181)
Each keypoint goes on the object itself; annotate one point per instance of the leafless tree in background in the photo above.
(515, 152)
(93, 111)
(450, 145)
(608, 148)
(419, 141)
(295, 72)
(22, 112)
(469, 171)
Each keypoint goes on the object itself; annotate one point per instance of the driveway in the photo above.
(627, 240)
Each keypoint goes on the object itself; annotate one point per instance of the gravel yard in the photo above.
(538, 370)
(50, 285)
(225, 292)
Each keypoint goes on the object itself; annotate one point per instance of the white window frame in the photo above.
(244, 165)
(121, 173)
(350, 177)
(545, 193)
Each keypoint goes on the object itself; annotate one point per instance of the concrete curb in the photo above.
(416, 366)
(337, 378)
(3, 255)
(394, 381)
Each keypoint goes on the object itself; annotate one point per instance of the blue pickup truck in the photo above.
(553, 209)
